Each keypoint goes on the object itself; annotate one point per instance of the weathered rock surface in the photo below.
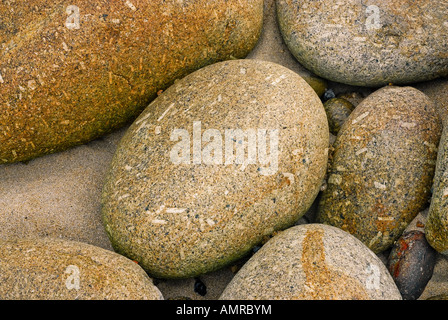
(368, 43)
(313, 262)
(71, 72)
(383, 166)
(53, 269)
(182, 211)
(436, 227)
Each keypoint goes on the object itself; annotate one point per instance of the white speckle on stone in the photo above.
(65, 46)
(1, 79)
(407, 125)
(128, 168)
(445, 24)
(278, 80)
(379, 185)
(363, 150)
(445, 192)
(175, 210)
(32, 85)
(158, 221)
(290, 177)
(166, 111)
(219, 98)
(386, 218)
(431, 146)
(335, 179)
(158, 130)
(364, 115)
(182, 254)
(210, 222)
(131, 5)
(115, 21)
(360, 39)
(127, 195)
(243, 70)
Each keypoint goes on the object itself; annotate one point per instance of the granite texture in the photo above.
(436, 228)
(54, 269)
(71, 71)
(383, 166)
(180, 220)
(368, 43)
(313, 262)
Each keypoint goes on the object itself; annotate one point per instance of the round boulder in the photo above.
(312, 262)
(54, 269)
(371, 43)
(223, 158)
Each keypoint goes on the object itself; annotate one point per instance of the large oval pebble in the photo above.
(70, 71)
(368, 43)
(312, 262)
(383, 166)
(224, 157)
(436, 228)
(54, 269)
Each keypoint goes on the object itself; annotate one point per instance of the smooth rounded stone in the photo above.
(437, 90)
(76, 71)
(313, 262)
(371, 43)
(58, 195)
(54, 269)
(411, 263)
(180, 204)
(271, 47)
(338, 110)
(382, 167)
(436, 227)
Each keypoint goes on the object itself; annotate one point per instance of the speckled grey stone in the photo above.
(181, 220)
(313, 262)
(383, 166)
(368, 43)
(54, 269)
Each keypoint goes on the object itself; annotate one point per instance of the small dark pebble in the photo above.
(411, 263)
(329, 94)
(199, 287)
